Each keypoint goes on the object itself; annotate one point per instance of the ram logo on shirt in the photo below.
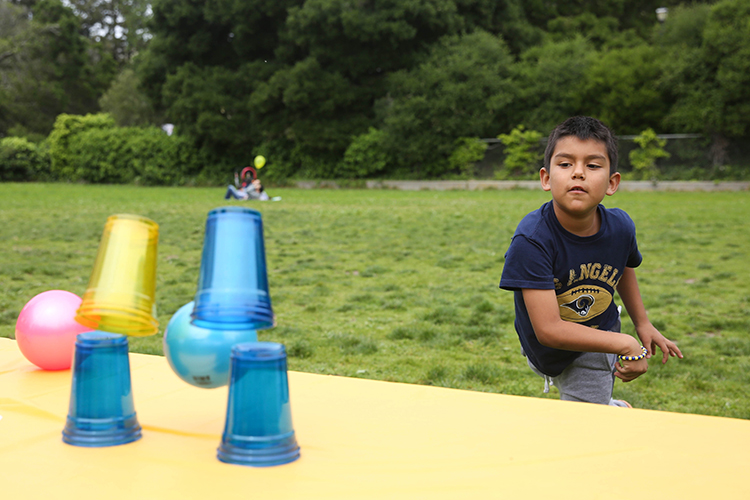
(583, 303)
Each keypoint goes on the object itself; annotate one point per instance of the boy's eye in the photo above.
(593, 165)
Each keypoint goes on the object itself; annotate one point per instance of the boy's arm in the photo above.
(552, 331)
(649, 335)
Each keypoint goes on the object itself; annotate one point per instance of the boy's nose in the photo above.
(579, 171)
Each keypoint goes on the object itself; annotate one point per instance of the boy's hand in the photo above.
(630, 370)
(651, 337)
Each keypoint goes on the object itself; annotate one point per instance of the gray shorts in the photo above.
(588, 379)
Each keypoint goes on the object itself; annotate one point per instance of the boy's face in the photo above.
(579, 176)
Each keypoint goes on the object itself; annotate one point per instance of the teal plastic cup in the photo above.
(258, 430)
(233, 282)
(101, 411)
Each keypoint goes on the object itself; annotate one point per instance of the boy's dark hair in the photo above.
(583, 127)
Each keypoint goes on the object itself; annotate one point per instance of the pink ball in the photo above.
(46, 331)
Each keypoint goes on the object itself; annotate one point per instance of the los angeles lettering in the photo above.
(595, 271)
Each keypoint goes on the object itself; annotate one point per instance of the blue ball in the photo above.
(200, 356)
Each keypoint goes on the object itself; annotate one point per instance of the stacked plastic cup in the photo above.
(101, 411)
(119, 300)
(233, 283)
(258, 429)
(121, 294)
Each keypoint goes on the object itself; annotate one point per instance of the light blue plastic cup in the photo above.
(258, 430)
(101, 411)
(233, 283)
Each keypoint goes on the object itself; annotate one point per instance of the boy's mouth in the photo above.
(577, 189)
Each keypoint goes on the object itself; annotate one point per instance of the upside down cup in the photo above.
(121, 294)
(101, 411)
(258, 430)
(233, 282)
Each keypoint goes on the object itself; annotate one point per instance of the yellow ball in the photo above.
(259, 161)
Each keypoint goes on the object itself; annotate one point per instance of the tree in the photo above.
(203, 33)
(550, 78)
(708, 73)
(47, 68)
(119, 26)
(508, 19)
(125, 102)
(463, 88)
(308, 115)
(636, 15)
(319, 68)
(619, 88)
(203, 64)
(321, 86)
(210, 105)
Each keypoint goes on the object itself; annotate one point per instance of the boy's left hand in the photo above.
(651, 337)
(630, 370)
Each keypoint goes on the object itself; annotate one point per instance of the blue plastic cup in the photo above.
(233, 283)
(101, 411)
(258, 430)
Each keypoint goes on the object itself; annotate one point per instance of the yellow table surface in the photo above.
(365, 439)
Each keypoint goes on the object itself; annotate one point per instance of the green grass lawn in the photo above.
(402, 286)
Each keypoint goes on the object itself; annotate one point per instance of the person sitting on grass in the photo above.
(564, 264)
(254, 191)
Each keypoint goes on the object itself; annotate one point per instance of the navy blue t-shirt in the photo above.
(583, 271)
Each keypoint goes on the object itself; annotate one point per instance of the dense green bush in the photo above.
(63, 133)
(365, 156)
(92, 149)
(22, 160)
(469, 151)
(643, 159)
(145, 156)
(523, 153)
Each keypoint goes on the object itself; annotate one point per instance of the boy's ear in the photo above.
(544, 178)
(614, 183)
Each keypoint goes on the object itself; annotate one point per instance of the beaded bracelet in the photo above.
(634, 358)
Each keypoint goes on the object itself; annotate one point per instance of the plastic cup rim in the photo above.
(288, 450)
(260, 351)
(233, 325)
(100, 338)
(231, 209)
(96, 439)
(133, 217)
(116, 308)
(128, 321)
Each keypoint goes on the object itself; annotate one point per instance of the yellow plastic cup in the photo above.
(121, 294)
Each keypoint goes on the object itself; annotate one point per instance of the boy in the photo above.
(564, 264)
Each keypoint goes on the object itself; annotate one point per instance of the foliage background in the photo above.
(374, 88)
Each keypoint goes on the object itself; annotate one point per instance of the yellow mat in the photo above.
(364, 439)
